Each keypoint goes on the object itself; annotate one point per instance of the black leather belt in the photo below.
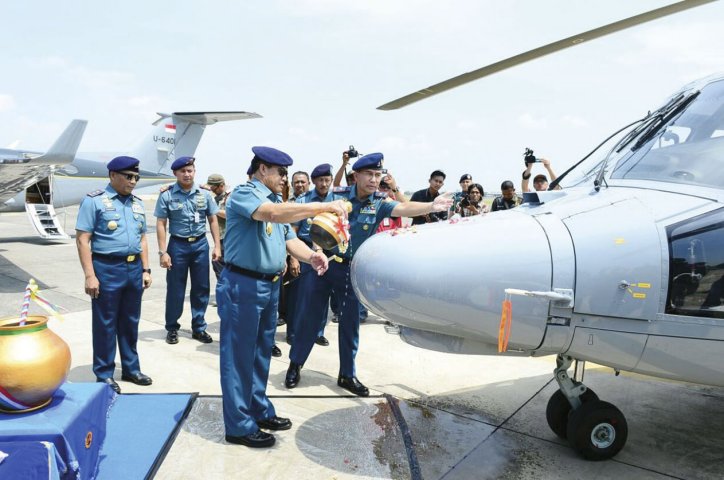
(251, 273)
(334, 257)
(126, 258)
(188, 239)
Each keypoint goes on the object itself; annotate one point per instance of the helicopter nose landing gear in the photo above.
(597, 430)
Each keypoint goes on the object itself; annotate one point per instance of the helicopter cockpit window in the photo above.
(689, 150)
(696, 266)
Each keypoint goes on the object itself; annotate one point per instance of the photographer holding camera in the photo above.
(472, 203)
(342, 172)
(540, 181)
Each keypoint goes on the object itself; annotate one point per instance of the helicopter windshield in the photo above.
(687, 149)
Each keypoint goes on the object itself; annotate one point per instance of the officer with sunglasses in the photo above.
(184, 209)
(258, 237)
(111, 241)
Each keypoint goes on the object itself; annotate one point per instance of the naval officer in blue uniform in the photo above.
(258, 237)
(185, 207)
(369, 208)
(322, 192)
(111, 241)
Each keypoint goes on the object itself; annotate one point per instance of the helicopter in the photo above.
(622, 266)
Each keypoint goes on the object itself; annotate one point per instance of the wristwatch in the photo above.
(160, 253)
(526, 177)
(147, 270)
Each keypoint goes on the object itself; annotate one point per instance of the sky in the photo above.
(317, 69)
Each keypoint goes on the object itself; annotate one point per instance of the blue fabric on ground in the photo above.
(138, 428)
(76, 415)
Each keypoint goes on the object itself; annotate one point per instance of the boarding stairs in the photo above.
(45, 221)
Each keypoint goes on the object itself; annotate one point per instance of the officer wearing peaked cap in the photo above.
(258, 237)
(111, 241)
(184, 209)
(369, 208)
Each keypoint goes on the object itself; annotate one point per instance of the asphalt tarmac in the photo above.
(429, 415)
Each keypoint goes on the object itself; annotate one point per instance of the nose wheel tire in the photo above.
(559, 409)
(597, 430)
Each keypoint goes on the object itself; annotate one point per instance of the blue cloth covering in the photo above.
(257, 246)
(31, 460)
(116, 222)
(77, 410)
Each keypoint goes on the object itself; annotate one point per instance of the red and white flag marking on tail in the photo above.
(170, 128)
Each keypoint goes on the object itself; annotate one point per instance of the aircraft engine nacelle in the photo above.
(421, 279)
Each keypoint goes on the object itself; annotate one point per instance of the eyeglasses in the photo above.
(131, 176)
(283, 172)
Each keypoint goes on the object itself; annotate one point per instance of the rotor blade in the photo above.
(541, 51)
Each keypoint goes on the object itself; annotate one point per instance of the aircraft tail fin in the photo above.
(177, 135)
(63, 151)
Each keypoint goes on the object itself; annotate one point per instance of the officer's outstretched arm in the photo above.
(82, 242)
(294, 212)
(414, 209)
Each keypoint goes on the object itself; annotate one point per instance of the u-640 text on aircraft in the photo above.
(623, 267)
(41, 182)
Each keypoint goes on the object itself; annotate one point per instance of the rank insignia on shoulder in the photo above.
(95, 193)
(342, 189)
(165, 188)
(380, 195)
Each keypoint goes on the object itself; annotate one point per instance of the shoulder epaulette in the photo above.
(380, 195)
(342, 189)
(95, 193)
(138, 198)
(165, 188)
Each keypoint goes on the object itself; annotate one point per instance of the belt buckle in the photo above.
(338, 259)
(130, 258)
(191, 239)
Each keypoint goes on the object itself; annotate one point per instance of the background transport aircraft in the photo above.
(38, 183)
(623, 267)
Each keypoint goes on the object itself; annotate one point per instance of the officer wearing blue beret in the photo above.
(186, 207)
(369, 208)
(258, 237)
(322, 179)
(111, 241)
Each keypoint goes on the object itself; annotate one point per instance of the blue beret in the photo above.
(249, 171)
(322, 170)
(272, 156)
(371, 161)
(181, 162)
(123, 163)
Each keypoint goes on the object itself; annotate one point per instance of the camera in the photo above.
(528, 157)
(352, 153)
(465, 202)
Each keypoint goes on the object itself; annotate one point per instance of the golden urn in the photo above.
(330, 231)
(34, 362)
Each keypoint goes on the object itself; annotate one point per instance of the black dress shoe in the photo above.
(293, 375)
(111, 383)
(321, 340)
(172, 337)
(275, 351)
(353, 385)
(280, 322)
(202, 337)
(137, 378)
(275, 423)
(257, 439)
(290, 340)
(335, 318)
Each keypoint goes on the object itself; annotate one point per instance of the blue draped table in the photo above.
(74, 422)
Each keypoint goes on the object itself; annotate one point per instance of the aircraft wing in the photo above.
(19, 169)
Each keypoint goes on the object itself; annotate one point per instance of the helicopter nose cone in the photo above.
(450, 278)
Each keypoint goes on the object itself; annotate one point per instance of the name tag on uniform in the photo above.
(137, 208)
(368, 209)
(197, 217)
